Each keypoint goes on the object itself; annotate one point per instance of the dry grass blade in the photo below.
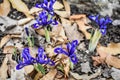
(4, 8)
(57, 5)
(37, 76)
(34, 10)
(24, 21)
(3, 69)
(50, 75)
(63, 14)
(20, 6)
(67, 6)
(4, 40)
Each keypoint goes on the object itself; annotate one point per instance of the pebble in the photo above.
(85, 67)
(116, 22)
(115, 74)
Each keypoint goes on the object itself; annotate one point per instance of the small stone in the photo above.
(116, 22)
(86, 67)
(115, 74)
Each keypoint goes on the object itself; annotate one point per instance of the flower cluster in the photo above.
(71, 47)
(29, 60)
(102, 22)
(45, 17)
(47, 6)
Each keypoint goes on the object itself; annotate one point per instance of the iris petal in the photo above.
(26, 54)
(103, 31)
(92, 17)
(75, 43)
(60, 50)
(36, 25)
(46, 2)
(69, 47)
(20, 66)
(54, 22)
(101, 21)
(73, 58)
(38, 6)
(50, 62)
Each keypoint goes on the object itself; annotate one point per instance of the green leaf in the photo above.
(40, 68)
(47, 36)
(60, 68)
(29, 41)
(94, 40)
(71, 64)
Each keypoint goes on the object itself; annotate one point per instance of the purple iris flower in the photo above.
(42, 58)
(44, 20)
(48, 6)
(29, 60)
(102, 22)
(71, 47)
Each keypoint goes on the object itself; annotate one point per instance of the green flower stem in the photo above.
(39, 68)
(94, 40)
(29, 42)
(71, 64)
(47, 36)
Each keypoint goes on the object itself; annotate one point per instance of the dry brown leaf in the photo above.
(57, 5)
(67, 6)
(66, 66)
(62, 33)
(77, 17)
(82, 21)
(83, 27)
(59, 34)
(4, 40)
(4, 8)
(15, 36)
(50, 50)
(105, 55)
(63, 14)
(113, 61)
(112, 48)
(29, 69)
(38, 76)
(3, 69)
(50, 75)
(34, 10)
(9, 49)
(24, 21)
(72, 30)
(20, 6)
